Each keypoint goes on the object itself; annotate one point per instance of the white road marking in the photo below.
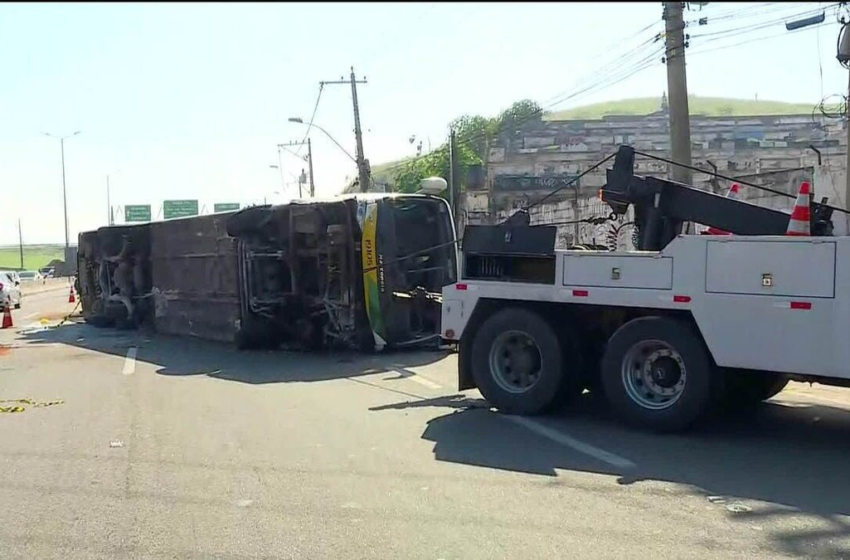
(31, 315)
(130, 361)
(416, 378)
(563, 439)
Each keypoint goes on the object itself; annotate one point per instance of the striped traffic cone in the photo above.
(71, 298)
(800, 222)
(7, 315)
(733, 194)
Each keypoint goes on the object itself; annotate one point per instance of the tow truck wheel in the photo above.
(744, 388)
(657, 374)
(518, 363)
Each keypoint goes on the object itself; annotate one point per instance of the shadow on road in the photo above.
(791, 455)
(177, 356)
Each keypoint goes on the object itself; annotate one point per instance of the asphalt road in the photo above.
(168, 448)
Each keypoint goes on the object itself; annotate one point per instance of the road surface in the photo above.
(168, 448)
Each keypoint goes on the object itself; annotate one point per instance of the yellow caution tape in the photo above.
(31, 402)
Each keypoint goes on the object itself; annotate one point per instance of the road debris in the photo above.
(18, 402)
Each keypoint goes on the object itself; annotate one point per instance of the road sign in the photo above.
(137, 213)
(225, 207)
(179, 208)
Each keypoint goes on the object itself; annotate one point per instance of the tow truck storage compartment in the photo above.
(648, 271)
(777, 268)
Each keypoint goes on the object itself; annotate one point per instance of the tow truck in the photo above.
(665, 333)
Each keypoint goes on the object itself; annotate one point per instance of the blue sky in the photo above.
(189, 100)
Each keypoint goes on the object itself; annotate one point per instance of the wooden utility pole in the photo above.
(310, 166)
(677, 92)
(454, 179)
(21, 243)
(308, 159)
(362, 162)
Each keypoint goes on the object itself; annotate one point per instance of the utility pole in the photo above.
(308, 159)
(677, 92)
(454, 178)
(21, 243)
(108, 203)
(362, 162)
(310, 165)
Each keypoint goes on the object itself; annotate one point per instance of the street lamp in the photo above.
(64, 190)
(328, 134)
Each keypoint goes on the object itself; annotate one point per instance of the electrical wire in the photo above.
(619, 69)
(571, 182)
(725, 33)
(312, 117)
(629, 70)
(757, 39)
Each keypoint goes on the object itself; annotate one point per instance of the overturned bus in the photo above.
(362, 271)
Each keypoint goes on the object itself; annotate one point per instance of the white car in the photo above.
(30, 276)
(10, 289)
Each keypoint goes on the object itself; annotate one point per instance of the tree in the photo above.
(519, 115)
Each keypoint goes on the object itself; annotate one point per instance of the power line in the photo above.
(626, 69)
(313, 116)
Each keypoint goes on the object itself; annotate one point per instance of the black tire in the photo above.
(696, 395)
(557, 379)
(744, 388)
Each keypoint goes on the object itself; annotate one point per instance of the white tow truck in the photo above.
(665, 332)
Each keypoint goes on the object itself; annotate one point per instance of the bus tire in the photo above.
(518, 363)
(658, 375)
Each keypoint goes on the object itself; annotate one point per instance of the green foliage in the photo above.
(520, 114)
(474, 134)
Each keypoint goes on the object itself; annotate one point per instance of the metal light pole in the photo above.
(64, 190)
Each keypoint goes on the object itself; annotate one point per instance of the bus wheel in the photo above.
(519, 363)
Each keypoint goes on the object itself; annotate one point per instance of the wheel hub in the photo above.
(515, 361)
(654, 374)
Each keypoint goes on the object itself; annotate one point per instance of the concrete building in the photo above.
(779, 150)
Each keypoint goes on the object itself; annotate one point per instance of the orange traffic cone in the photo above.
(7, 315)
(800, 222)
(71, 298)
(733, 194)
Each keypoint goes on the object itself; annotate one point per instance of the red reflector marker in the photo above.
(580, 293)
(801, 305)
(682, 299)
(460, 287)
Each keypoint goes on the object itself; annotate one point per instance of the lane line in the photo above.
(130, 361)
(563, 439)
(416, 378)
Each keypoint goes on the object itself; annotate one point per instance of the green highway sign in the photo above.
(137, 213)
(225, 207)
(179, 208)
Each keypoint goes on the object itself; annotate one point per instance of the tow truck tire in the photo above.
(744, 388)
(520, 365)
(658, 375)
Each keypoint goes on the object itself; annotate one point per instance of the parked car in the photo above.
(30, 276)
(10, 290)
(47, 271)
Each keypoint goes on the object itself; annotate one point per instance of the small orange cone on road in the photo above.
(733, 194)
(7, 314)
(71, 298)
(799, 224)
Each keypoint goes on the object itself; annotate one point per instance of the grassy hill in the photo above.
(702, 106)
(35, 256)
